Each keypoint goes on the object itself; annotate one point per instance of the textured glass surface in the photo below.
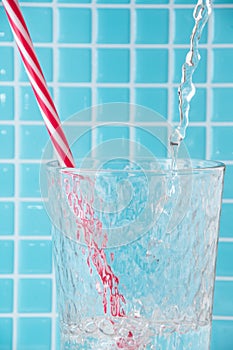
(154, 231)
(72, 79)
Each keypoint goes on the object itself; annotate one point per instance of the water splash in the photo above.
(186, 90)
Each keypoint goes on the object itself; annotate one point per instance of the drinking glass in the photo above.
(134, 247)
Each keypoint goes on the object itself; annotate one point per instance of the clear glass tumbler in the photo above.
(134, 246)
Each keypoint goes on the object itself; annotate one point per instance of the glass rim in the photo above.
(194, 166)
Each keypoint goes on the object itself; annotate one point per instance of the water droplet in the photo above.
(90, 327)
(106, 327)
(2, 71)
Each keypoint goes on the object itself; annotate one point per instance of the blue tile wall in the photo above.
(7, 181)
(113, 95)
(38, 1)
(221, 104)
(222, 59)
(6, 34)
(79, 59)
(7, 64)
(34, 332)
(223, 31)
(225, 259)
(30, 213)
(31, 15)
(228, 190)
(118, 22)
(223, 1)
(151, 66)
(35, 257)
(108, 95)
(184, 2)
(6, 295)
(7, 102)
(7, 212)
(112, 140)
(148, 23)
(223, 298)
(226, 224)
(75, 1)
(152, 2)
(113, 1)
(222, 137)
(152, 98)
(153, 139)
(6, 329)
(196, 142)
(94, 53)
(70, 18)
(7, 141)
(32, 141)
(221, 328)
(113, 65)
(6, 256)
(35, 295)
(72, 100)
(29, 180)
(28, 108)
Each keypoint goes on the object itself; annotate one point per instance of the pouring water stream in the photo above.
(186, 89)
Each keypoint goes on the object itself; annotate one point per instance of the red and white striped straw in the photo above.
(38, 83)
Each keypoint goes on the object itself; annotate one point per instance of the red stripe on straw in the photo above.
(23, 36)
(31, 53)
(38, 83)
(15, 7)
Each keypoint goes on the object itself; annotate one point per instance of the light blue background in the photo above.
(94, 53)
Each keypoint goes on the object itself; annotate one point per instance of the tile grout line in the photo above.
(222, 318)
(114, 46)
(208, 87)
(26, 238)
(224, 278)
(170, 111)
(104, 5)
(29, 275)
(56, 96)
(226, 239)
(29, 315)
(132, 73)
(16, 198)
(94, 60)
(48, 238)
(227, 200)
(83, 123)
(118, 85)
(88, 123)
(43, 314)
(48, 276)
